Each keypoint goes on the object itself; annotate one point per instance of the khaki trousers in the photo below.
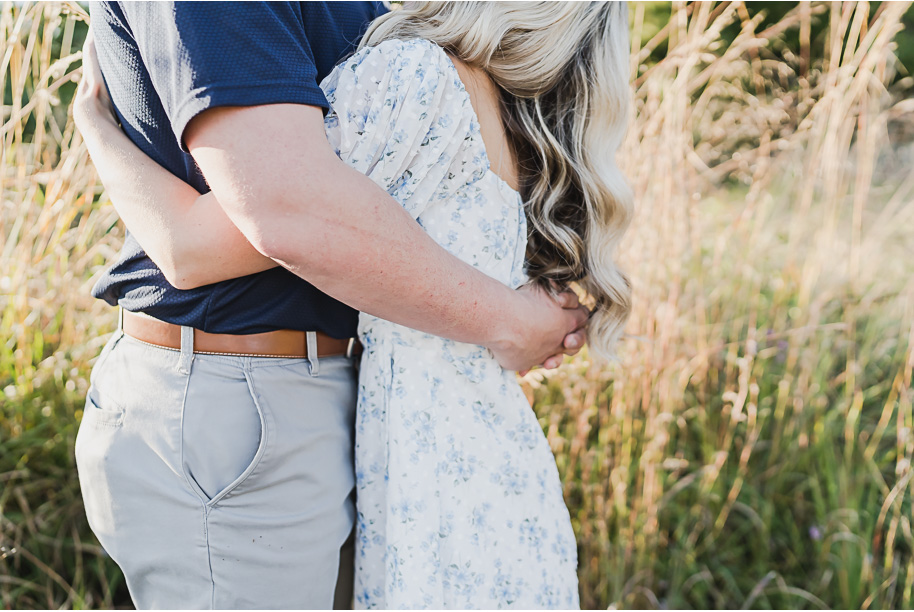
(221, 482)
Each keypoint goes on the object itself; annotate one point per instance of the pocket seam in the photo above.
(102, 417)
(258, 455)
(207, 501)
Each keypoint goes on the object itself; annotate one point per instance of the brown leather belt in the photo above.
(281, 343)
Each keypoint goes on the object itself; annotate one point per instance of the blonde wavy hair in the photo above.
(562, 69)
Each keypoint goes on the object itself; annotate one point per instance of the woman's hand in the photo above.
(92, 105)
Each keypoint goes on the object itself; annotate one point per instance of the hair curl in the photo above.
(562, 69)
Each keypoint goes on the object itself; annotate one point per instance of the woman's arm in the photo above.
(188, 236)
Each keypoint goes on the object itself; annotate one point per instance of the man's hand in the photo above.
(546, 329)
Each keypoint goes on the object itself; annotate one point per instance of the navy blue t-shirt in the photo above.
(165, 62)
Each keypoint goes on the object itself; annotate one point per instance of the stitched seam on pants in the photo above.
(262, 448)
(187, 483)
(187, 480)
(266, 425)
(261, 453)
(209, 558)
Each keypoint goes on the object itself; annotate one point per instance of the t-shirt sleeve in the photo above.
(400, 115)
(201, 55)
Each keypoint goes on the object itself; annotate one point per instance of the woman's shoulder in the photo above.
(399, 113)
(410, 50)
(414, 74)
(395, 61)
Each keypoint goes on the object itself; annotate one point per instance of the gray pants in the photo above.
(221, 482)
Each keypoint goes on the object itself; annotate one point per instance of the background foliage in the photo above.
(752, 446)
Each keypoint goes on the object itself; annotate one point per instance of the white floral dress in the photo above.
(459, 501)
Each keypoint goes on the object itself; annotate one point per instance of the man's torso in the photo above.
(325, 33)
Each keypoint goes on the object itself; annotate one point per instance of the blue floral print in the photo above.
(459, 500)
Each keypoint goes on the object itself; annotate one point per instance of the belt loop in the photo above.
(187, 349)
(120, 318)
(311, 344)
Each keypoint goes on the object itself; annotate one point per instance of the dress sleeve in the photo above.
(401, 116)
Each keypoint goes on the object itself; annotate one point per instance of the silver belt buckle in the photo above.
(350, 348)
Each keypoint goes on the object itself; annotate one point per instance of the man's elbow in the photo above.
(277, 235)
(182, 277)
(268, 242)
(181, 269)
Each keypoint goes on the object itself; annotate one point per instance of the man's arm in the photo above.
(187, 235)
(239, 85)
(278, 180)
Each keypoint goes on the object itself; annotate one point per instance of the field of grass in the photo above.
(752, 445)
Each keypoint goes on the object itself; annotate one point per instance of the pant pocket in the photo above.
(98, 433)
(94, 415)
(222, 431)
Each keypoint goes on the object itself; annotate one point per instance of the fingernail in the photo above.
(573, 342)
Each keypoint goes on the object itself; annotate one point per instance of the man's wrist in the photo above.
(503, 332)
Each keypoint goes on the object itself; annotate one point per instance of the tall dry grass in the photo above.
(752, 446)
(55, 236)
